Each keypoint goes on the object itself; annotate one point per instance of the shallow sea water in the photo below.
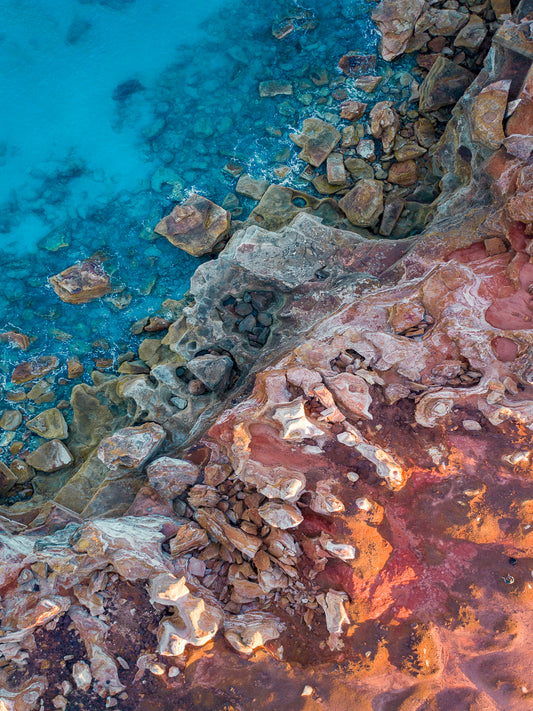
(114, 110)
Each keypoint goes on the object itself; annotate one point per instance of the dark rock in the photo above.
(354, 64)
(444, 85)
(214, 371)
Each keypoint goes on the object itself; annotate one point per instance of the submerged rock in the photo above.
(34, 369)
(82, 282)
(196, 225)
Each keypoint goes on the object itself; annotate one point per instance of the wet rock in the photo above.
(352, 110)
(49, 424)
(281, 515)
(444, 85)
(403, 174)
(74, 368)
(196, 225)
(384, 123)
(367, 83)
(50, 457)
(472, 35)
(10, 420)
(317, 140)
(488, 112)
(7, 479)
(274, 88)
(34, 369)
(212, 370)
(253, 188)
(82, 282)
(363, 205)
(354, 64)
(396, 21)
(14, 338)
(131, 447)
(335, 169)
(359, 168)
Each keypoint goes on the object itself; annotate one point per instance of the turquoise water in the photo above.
(113, 111)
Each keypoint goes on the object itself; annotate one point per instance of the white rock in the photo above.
(82, 675)
(281, 515)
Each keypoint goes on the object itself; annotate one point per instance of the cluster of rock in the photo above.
(364, 513)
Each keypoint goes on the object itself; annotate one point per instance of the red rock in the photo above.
(82, 282)
(34, 369)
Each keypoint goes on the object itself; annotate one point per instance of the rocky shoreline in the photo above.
(310, 488)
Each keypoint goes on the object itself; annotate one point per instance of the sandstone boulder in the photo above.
(212, 370)
(130, 447)
(195, 226)
(472, 35)
(364, 203)
(281, 515)
(82, 282)
(317, 140)
(50, 457)
(384, 123)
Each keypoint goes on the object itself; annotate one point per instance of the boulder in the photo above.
(130, 447)
(7, 479)
(213, 371)
(367, 83)
(444, 85)
(364, 203)
(82, 282)
(488, 113)
(335, 169)
(274, 88)
(404, 174)
(441, 23)
(317, 140)
(195, 225)
(50, 457)
(34, 369)
(253, 188)
(281, 515)
(396, 21)
(49, 424)
(384, 123)
(472, 35)
(171, 477)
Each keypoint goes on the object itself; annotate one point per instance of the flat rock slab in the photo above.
(131, 447)
(196, 225)
(317, 139)
(82, 282)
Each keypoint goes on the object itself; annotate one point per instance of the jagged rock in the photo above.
(367, 83)
(212, 370)
(196, 225)
(251, 630)
(189, 537)
(407, 150)
(216, 524)
(171, 477)
(294, 421)
(444, 85)
(396, 21)
(441, 22)
(359, 169)
(384, 123)
(317, 140)
(352, 393)
(82, 675)
(488, 112)
(364, 203)
(336, 617)
(352, 110)
(275, 482)
(50, 457)
(34, 369)
(130, 447)
(281, 515)
(472, 35)
(82, 282)
(49, 424)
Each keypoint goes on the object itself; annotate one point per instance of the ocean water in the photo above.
(114, 110)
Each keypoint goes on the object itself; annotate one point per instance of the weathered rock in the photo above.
(391, 214)
(384, 123)
(352, 110)
(366, 148)
(396, 21)
(196, 225)
(501, 8)
(251, 630)
(74, 368)
(253, 188)
(367, 83)
(364, 203)
(219, 528)
(82, 282)
(317, 140)
(488, 112)
(50, 457)
(444, 85)
(299, 20)
(49, 424)
(10, 420)
(274, 87)
(354, 64)
(407, 150)
(171, 477)
(131, 447)
(189, 537)
(359, 168)
(212, 370)
(281, 515)
(335, 169)
(472, 35)
(34, 369)
(425, 132)
(14, 338)
(403, 174)
(441, 22)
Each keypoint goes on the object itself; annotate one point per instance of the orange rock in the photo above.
(488, 112)
(82, 282)
(74, 368)
(34, 369)
(403, 174)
